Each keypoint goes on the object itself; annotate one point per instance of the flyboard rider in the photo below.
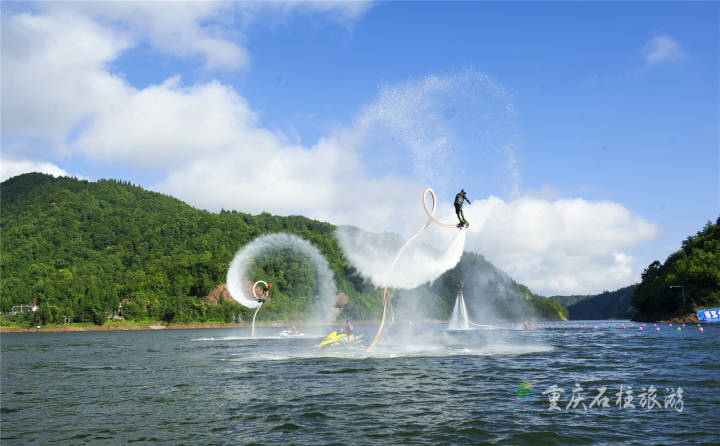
(460, 198)
(265, 298)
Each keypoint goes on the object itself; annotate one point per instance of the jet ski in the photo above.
(339, 338)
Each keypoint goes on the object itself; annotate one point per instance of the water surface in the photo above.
(422, 385)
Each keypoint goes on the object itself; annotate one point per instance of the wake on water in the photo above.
(443, 346)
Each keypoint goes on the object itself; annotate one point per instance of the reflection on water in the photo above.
(422, 384)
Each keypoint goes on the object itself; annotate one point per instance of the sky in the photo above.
(585, 133)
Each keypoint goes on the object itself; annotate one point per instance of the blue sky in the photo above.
(587, 132)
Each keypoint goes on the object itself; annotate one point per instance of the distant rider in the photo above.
(460, 198)
(349, 330)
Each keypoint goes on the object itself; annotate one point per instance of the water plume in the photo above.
(459, 319)
(373, 255)
(322, 307)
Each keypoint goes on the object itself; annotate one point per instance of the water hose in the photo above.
(431, 215)
(261, 303)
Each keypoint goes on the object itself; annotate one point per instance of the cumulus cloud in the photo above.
(210, 30)
(54, 76)
(165, 124)
(58, 89)
(207, 147)
(660, 49)
(10, 168)
(368, 174)
(178, 29)
(560, 246)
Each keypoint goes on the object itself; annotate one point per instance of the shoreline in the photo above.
(198, 326)
(159, 326)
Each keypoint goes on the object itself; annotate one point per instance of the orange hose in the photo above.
(431, 214)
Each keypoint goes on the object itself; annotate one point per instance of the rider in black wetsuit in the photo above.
(459, 199)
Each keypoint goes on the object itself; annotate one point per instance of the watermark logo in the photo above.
(647, 399)
(523, 390)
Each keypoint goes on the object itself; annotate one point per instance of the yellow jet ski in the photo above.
(334, 338)
(340, 338)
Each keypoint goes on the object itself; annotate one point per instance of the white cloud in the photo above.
(53, 74)
(660, 49)
(562, 246)
(211, 30)
(163, 125)
(10, 168)
(207, 143)
(176, 28)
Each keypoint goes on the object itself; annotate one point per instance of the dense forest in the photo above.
(607, 305)
(489, 294)
(87, 251)
(688, 280)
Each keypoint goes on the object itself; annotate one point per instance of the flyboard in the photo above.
(261, 303)
(431, 218)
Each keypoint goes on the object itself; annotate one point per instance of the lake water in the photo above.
(422, 385)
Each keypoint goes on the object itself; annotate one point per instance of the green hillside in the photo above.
(489, 293)
(607, 305)
(80, 249)
(695, 266)
(567, 301)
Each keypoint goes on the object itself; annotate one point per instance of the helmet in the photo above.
(462, 191)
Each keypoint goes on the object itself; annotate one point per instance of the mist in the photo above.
(373, 255)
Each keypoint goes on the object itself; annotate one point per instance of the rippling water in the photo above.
(422, 385)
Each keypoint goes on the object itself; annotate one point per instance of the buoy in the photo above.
(623, 327)
(657, 328)
(640, 328)
(683, 325)
(678, 329)
(701, 329)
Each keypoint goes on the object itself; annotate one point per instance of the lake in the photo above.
(421, 385)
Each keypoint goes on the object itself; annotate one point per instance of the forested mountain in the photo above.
(82, 249)
(489, 294)
(607, 305)
(695, 267)
(567, 301)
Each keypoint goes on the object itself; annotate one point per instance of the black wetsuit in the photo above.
(459, 199)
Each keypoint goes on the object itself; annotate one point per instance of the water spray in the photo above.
(460, 319)
(259, 300)
(238, 272)
(431, 219)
